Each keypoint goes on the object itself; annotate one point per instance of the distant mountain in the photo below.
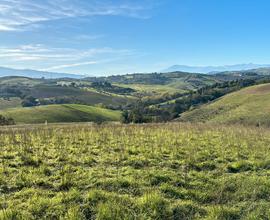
(215, 69)
(36, 74)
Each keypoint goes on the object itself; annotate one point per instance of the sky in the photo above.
(105, 37)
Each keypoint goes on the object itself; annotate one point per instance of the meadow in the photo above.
(153, 171)
(61, 114)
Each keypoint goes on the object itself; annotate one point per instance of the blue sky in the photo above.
(104, 37)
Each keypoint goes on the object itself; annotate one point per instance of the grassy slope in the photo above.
(178, 84)
(10, 103)
(87, 97)
(168, 171)
(152, 88)
(248, 106)
(15, 80)
(61, 113)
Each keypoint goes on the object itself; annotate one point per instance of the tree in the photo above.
(125, 117)
(30, 101)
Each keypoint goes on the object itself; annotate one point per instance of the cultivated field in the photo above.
(161, 171)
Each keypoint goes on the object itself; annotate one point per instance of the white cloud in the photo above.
(38, 51)
(70, 65)
(20, 14)
(39, 56)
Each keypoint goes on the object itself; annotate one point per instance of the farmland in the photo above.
(153, 171)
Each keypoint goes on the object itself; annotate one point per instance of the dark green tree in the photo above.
(30, 101)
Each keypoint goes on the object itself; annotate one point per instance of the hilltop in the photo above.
(247, 106)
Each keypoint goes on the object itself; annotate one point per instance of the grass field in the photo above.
(61, 113)
(249, 106)
(10, 103)
(84, 96)
(149, 89)
(161, 171)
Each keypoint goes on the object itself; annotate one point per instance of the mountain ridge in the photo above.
(5, 71)
(215, 69)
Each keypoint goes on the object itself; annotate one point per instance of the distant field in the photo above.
(61, 113)
(84, 96)
(152, 88)
(162, 171)
(16, 80)
(249, 106)
(10, 103)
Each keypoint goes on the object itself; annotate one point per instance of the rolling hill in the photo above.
(161, 82)
(61, 113)
(249, 106)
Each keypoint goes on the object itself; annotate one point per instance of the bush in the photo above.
(6, 121)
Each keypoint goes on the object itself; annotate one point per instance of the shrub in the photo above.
(6, 121)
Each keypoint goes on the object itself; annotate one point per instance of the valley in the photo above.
(160, 96)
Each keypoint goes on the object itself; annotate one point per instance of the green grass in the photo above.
(249, 106)
(150, 89)
(77, 94)
(161, 171)
(17, 80)
(61, 113)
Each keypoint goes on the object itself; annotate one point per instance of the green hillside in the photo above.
(247, 106)
(163, 82)
(61, 113)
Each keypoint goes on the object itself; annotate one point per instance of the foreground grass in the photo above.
(166, 171)
(61, 113)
